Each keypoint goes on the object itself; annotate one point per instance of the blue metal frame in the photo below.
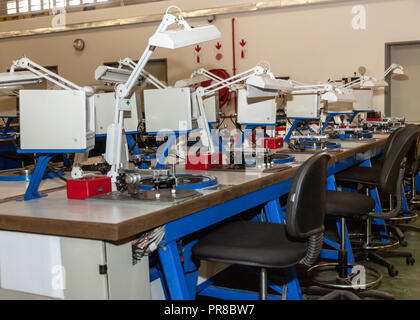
(132, 144)
(37, 176)
(39, 171)
(7, 125)
(196, 186)
(51, 151)
(331, 115)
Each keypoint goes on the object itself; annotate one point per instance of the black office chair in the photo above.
(345, 205)
(271, 245)
(412, 172)
(388, 178)
(405, 218)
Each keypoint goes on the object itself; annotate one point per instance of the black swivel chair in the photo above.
(345, 205)
(405, 218)
(271, 245)
(413, 168)
(388, 178)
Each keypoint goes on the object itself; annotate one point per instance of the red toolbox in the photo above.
(271, 143)
(203, 162)
(88, 187)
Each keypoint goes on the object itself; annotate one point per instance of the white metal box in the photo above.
(306, 105)
(56, 120)
(364, 99)
(80, 260)
(256, 110)
(105, 112)
(169, 109)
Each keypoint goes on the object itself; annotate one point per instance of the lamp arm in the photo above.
(123, 90)
(208, 74)
(26, 63)
(391, 68)
(243, 76)
(199, 95)
(312, 88)
(148, 76)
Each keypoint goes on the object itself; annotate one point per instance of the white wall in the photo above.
(305, 42)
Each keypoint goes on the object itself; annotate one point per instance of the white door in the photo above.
(405, 93)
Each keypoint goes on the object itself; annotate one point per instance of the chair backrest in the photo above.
(413, 157)
(390, 140)
(398, 150)
(307, 197)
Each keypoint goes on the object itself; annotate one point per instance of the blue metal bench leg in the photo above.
(330, 117)
(292, 128)
(190, 268)
(132, 144)
(173, 272)
(36, 178)
(292, 282)
(274, 213)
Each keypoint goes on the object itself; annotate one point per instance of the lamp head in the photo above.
(11, 79)
(183, 36)
(112, 75)
(398, 72)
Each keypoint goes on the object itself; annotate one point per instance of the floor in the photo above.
(405, 286)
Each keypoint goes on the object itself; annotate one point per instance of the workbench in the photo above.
(115, 224)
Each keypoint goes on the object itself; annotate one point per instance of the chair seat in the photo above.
(348, 204)
(363, 175)
(249, 243)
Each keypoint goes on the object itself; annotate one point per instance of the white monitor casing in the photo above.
(256, 110)
(56, 120)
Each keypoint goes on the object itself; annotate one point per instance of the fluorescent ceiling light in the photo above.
(199, 78)
(112, 75)
(11, 79)
(178, 38)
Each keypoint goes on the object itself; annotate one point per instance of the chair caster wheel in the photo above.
(393, 272)
(403, 243)
(410, 261)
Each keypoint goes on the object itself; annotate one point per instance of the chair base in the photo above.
(375, 242)
(408, 227)
(409, 218)
(376, 258)
(343, 283)
(396, 230)
(331, 294)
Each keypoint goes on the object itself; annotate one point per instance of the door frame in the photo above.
(388, 48)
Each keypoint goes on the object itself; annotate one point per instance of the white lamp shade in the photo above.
(265, 82)
(329, 96)
(191, 81)
(398, 70)
(178, 38)
(112, 75)
(11, 79)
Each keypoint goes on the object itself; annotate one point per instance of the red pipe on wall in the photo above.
(234, 61)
